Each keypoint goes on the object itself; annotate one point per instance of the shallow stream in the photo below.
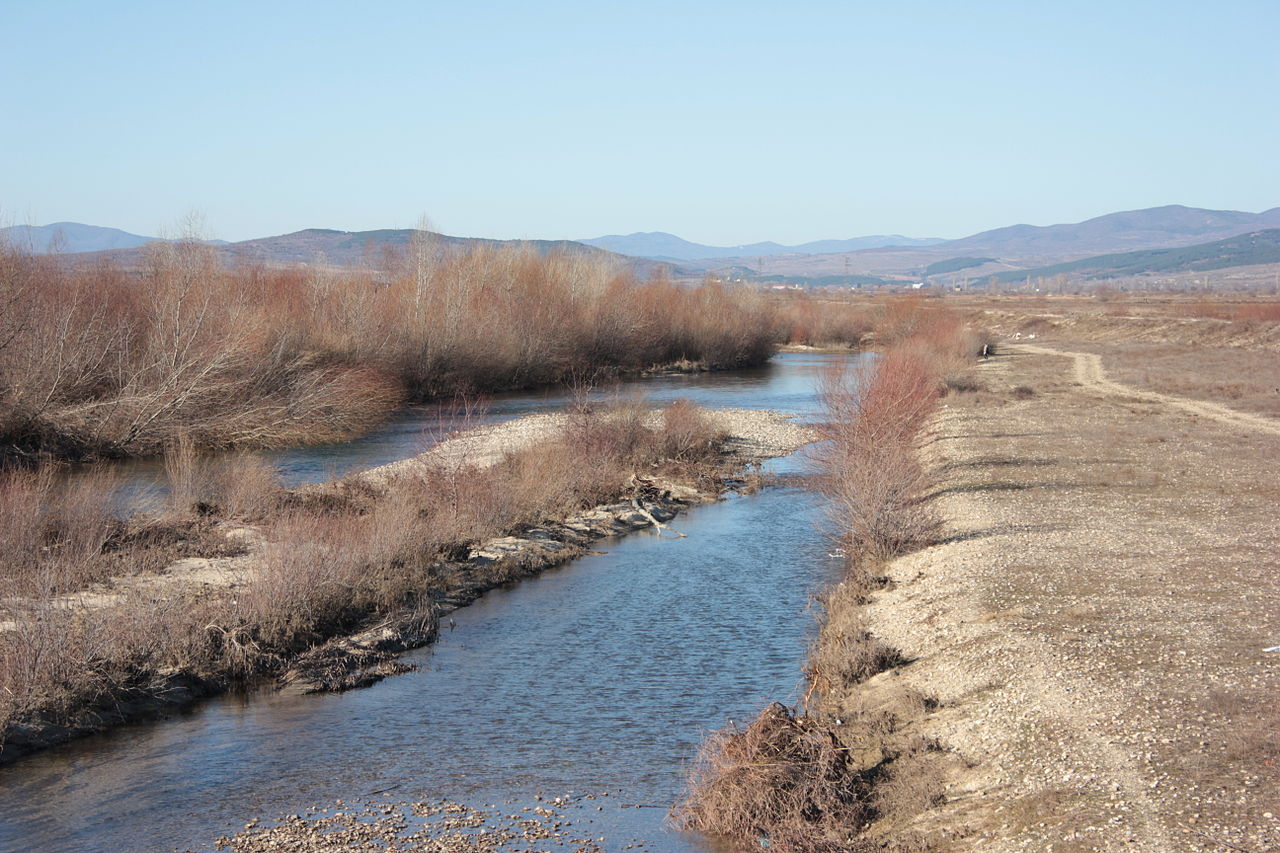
(600, 676)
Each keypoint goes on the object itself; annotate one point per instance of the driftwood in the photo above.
(643, 488)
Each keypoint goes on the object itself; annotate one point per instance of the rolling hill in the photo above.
(70, 237)
(1152, 228)
(330, 247)
(1006, 252)
(1258, 247)
(1019, 247)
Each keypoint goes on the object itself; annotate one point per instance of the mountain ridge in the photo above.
(1249, 249)
(1012, 247)
(332, 247)
(1167, 226)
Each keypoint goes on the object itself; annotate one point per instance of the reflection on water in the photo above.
(601, 675)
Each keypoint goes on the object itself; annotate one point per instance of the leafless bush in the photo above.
(53, 530)
(307, 581)
(247, 488)
(784, 781)
(186, 477)
(335, 557)
(787, 782)
(869, 470)
(687, 432)
(824, 321)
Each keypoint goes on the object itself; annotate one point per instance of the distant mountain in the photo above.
(1258, 247)
(345, 248)
(73, 238)
(660, 245)
(352, 248)
(1153, 228)
(70, 237)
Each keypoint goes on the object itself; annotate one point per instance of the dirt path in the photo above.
(1094, 625)
(1090, 375)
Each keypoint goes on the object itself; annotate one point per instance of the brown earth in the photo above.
(1095, 623)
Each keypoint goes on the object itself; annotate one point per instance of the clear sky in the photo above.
(723, 122)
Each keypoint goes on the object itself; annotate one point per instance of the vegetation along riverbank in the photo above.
(319, 587)
(846, 769)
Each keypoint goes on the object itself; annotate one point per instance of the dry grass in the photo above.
(845, 653)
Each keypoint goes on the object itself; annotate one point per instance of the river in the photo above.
(599, 676)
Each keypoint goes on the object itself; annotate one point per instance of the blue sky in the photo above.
(724, 123)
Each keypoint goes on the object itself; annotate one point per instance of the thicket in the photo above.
(825, 320)
(101, 362)
(815, 779)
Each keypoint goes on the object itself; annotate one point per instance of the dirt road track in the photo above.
(1090, 375)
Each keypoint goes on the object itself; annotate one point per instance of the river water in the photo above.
(599, 676)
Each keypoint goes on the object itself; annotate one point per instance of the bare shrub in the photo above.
(1263, 312)
(187, 477)
(784, 780)
(963, 383)
(247, 488)
(826, 321)
(53, 530)
(335, 557)
(554, 481)
(45, 663)
(307, 581)
(687, 433)
(869, 470)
